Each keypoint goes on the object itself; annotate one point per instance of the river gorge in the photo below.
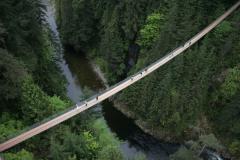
(80, 74)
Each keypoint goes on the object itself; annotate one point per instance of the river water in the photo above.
(80, 74)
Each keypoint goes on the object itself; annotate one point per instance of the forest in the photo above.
(193, 100)
(33, 88)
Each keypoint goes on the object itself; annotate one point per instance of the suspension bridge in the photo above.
(82, 106)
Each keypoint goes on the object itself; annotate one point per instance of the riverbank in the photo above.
(145, 127)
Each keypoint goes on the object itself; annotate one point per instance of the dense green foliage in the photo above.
(21, 155)
(97, 143)
(29, 77)
(195, 94)
(32, 89)
(105, 29)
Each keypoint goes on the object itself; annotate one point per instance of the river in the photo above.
(80, 74)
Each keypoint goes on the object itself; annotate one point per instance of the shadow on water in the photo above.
(80, 74)
(82, 69)
(134, 139)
